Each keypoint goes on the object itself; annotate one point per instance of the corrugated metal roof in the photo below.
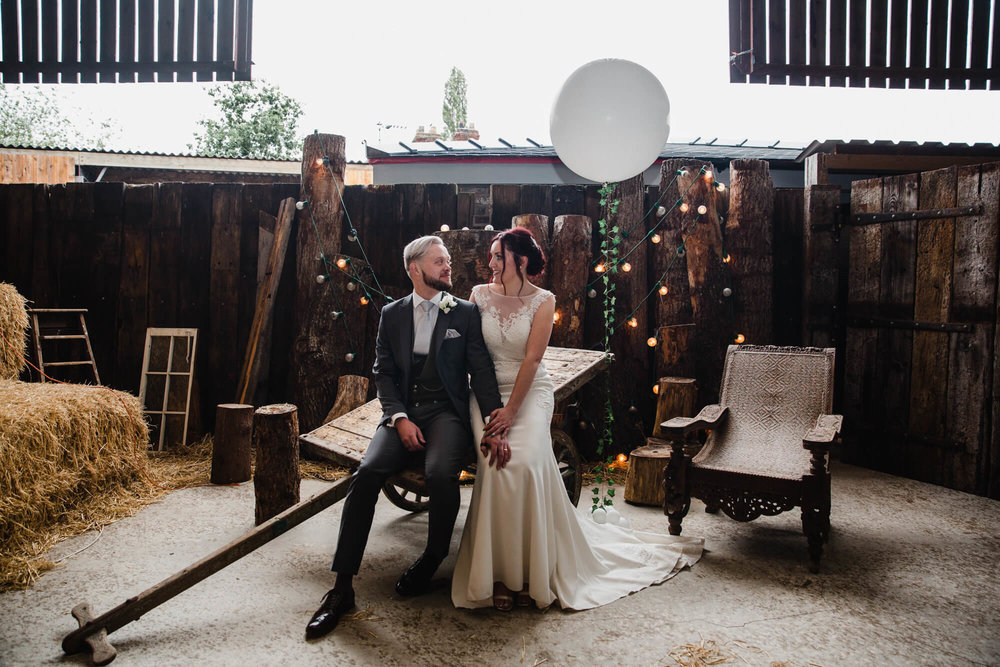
(91, 151)
(886, 147)
(481, 151)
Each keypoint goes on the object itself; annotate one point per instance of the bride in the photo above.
(524, 542)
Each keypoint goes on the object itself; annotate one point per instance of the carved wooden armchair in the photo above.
(768, 448)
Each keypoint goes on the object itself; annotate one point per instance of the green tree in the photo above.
(454, 108)
(258, 121)
(32, 117)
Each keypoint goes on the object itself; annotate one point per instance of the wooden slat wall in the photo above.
(15, 168)
(186, 255)
(867, 42)
(918, 401)
(36, 50)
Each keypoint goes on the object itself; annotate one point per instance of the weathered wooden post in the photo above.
(470, 257)
(821, 274)
(750, 246)
(538, 225)
(352, 392)
(569, 262)
(231, 444)
(276, 478)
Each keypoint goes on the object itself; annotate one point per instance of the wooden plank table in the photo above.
(344, 440)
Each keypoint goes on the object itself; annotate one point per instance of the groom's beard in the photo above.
(440, 285)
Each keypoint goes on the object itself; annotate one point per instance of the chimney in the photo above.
(466, 133)
(423, 136)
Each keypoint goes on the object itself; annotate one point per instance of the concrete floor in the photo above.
(911, 577)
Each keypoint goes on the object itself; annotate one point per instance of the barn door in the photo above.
(921, 327)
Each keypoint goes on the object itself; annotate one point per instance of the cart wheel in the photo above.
(568, 461)
(405, 499)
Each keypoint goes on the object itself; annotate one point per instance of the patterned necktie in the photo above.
(422, 334)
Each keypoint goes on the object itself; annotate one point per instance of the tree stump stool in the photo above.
(231, 444)
(644, 480)
(276, 477)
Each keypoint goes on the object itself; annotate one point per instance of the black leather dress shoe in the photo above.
(335, 604)
(417, 578)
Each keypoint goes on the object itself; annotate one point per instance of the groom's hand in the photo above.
(499, 451)
(410, 435)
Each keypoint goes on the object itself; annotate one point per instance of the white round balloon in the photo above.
(610, 120)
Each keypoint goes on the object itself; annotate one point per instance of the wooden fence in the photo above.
(188, 255)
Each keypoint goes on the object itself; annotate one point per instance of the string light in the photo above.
(555, 317)
(352, 236)
(727, 292)
(739, 339)
(622, 460)
(488, 228)
(319, 162)
(655, 238)
(341, 263)
(599, 268)
(626, 267)
(656, 388)
(322, 278)
(721, 187)
(445, 228)
(651, 341)
(708, 175)
(364, 300)
(684, 207)
(663, 290)
(702, 210)
(299, 205)
(726, 258)
(661, 211)
(336, 314)
(632, 322)
(352, 286)
(591, 293)
(349, 357)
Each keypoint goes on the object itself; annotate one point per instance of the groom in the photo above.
(428, 345)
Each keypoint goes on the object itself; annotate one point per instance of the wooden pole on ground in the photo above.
(569, 268)
(276, 478)
(750, 244)
(231, 444)
(352, 392)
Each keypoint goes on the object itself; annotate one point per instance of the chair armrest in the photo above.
(822, 434)
(709, 417)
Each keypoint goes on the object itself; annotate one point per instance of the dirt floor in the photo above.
(910, 577)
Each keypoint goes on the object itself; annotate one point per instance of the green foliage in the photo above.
(610, 240)
(258, 121)
(602, 475)
(30, 116)
(454, 109)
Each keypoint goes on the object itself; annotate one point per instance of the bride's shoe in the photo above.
(503, 599)
(523, 599)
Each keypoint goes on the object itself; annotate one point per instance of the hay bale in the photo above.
(13, 332)
(61, 445)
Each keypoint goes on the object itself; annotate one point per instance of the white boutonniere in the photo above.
(447, 302)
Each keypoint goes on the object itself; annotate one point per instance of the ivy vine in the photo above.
(610, 240)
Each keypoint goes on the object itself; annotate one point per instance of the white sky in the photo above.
(357, 63)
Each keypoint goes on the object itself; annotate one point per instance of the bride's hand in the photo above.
(501, 420)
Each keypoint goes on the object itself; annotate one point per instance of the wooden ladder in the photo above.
(61, 324)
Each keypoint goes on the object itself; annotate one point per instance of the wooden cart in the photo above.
(345, 439)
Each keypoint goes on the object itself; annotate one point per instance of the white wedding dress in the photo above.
(522, 529)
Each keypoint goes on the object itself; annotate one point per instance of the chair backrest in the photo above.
(774, 395)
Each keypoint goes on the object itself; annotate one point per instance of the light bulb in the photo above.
(364, 300)
(299, 205)
(726, 258)
(684, 207)
(445, 228)
(632, 322)
(721, 187)
(352, 236)
(651, 341)
(702, 210)
(349, 356)
(488, 228)
(663, 290)
(321, 257)
(622, 460)
(592, 293)
(351, 286)
(319, 162)
(656, 388)
(599, 268)
(660, 211)
(727, 292)
(626, 267)
(322, 278)
(465, 229)
(708, 175)
(336, 314)
(555, 317)
(341, 263)
(655, 238)
(739, 339)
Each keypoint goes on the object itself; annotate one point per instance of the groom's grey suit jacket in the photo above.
(459, 349)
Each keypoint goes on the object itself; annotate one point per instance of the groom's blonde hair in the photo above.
(417, 248)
